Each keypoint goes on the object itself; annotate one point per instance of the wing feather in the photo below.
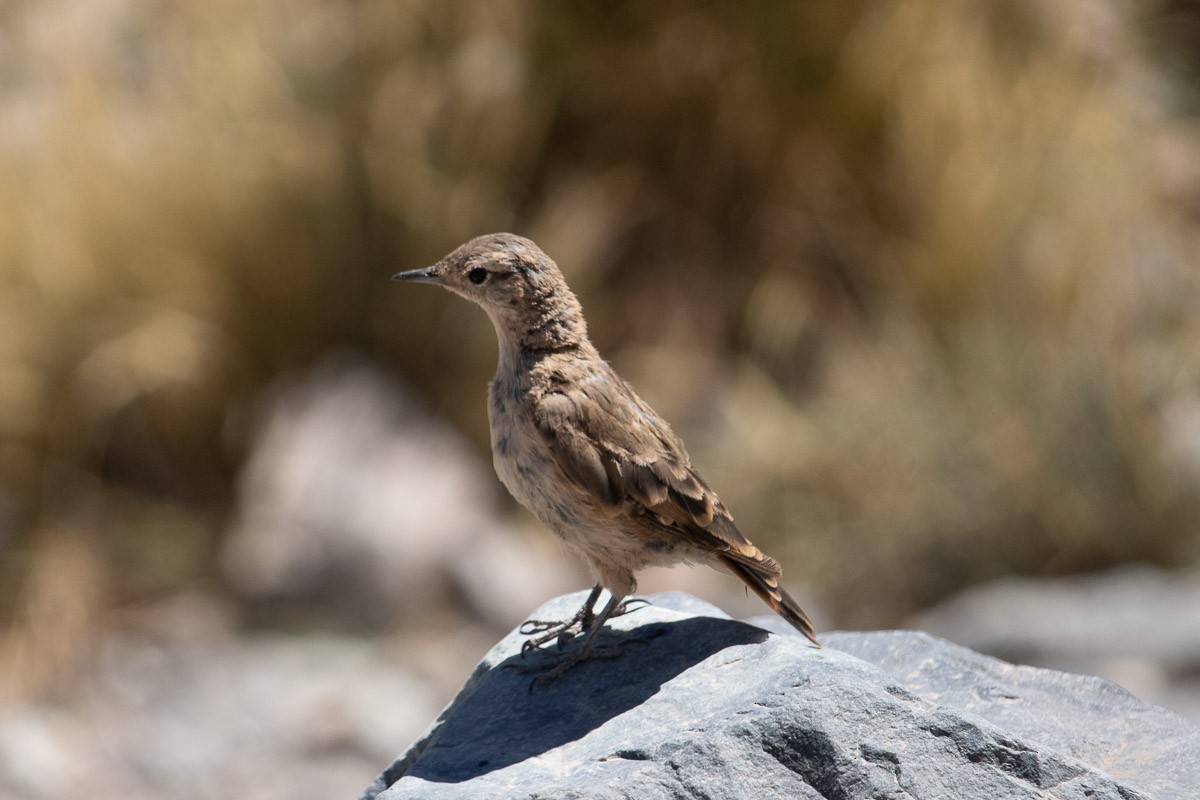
(614, 446)
(578, 457)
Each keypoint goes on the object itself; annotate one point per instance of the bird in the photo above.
(574, 444)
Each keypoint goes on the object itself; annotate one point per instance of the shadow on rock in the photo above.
(508, 719)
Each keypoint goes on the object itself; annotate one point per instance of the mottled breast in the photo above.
(523, 460)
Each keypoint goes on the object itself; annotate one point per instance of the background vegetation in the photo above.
(917, 281)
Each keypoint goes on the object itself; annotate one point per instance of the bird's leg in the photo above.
(628, 605)
(543, 631)
(555, 667)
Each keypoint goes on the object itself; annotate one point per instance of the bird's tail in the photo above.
(764, 581)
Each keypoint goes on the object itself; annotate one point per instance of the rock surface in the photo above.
(700, 705)
(1135, 624)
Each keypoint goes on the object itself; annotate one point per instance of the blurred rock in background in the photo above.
(356, 503)
(263, 716)
(916, 281)
(1135, 624)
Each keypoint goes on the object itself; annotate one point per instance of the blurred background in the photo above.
(918, 282)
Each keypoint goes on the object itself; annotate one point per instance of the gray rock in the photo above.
(263, 716)
(1136, 624)
(356, 501)
(349, 476)
(700, 705)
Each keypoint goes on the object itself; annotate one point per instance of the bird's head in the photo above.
(518, 285)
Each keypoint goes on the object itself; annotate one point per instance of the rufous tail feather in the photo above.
(767, 587)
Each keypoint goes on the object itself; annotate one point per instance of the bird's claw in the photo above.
(628, 605)
(543, 632)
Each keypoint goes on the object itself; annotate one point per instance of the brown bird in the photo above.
(576, 446)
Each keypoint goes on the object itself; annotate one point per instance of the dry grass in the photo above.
(917, 279)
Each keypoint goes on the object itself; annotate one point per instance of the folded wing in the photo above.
(610, 443)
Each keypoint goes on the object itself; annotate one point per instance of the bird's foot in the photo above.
(629, 604)
(541, 632)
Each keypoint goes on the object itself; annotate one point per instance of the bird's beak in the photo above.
(422, 275)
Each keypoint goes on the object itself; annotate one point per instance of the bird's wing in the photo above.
(610, 443)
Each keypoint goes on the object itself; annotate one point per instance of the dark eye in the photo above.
(477, 275)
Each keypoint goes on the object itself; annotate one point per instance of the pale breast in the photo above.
(525, 464)
(523, 460)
